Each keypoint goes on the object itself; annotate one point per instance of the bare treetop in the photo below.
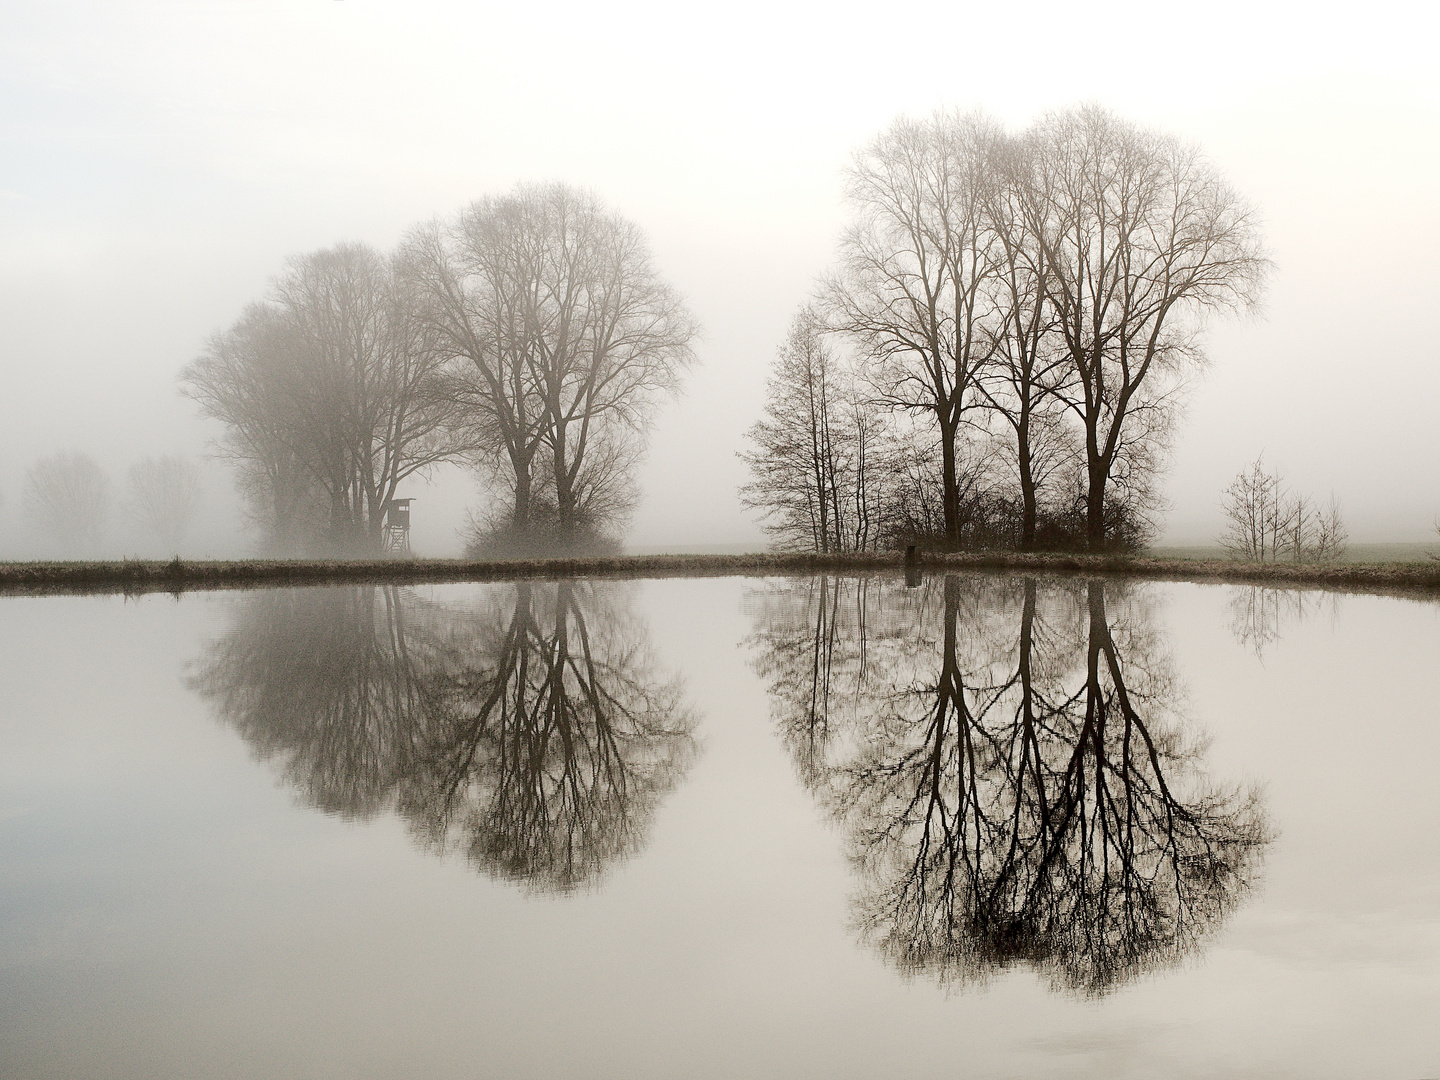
(67, 498)
(164, 495)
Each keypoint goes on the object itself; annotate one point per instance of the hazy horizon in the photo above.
(163, 160)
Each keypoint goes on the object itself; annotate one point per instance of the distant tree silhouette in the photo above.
(164, 494)
(66, 499)
(1265, 521)
(331, 396)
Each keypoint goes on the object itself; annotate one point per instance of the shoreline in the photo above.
(138, 577)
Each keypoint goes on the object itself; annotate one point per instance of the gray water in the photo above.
(733, 828)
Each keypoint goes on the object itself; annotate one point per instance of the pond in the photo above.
(982, 825)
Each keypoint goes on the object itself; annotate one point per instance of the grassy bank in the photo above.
(134, 577)
(1367, 554)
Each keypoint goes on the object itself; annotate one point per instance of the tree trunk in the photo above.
(951, 482)
(564, 491)
(520, 520)
(1098, 472)
(1028, 512)
(1095, 507)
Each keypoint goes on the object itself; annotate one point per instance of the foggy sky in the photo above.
(160, 161)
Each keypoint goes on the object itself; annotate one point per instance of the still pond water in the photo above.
(982, 827)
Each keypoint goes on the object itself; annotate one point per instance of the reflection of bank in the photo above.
(1013, 773)
(534, 733)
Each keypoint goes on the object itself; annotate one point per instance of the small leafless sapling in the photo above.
(1265, 522)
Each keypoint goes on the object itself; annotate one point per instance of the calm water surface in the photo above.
(983, 827)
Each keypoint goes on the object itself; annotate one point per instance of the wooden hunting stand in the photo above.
(397, 526)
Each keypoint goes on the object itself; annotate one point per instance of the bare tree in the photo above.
(67, 499)
(1021, 386)
(1251, 505)
(245, 377)
(918, 275)
(474, 278)
(164, 494)
(329, 389)
(1265, 521)
(1142, 240)
(1330, 536)
(569, 338)
(813, 456)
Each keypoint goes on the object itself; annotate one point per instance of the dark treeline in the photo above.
(532, 733)
(1012, 771)
(528, 336)
(999, 355)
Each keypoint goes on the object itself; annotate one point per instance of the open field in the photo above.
(176, 576)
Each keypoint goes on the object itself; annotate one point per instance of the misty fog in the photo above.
(163, 161)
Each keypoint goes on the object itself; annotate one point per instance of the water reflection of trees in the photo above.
(534, 732)
(1014, 775)
(1260, 615)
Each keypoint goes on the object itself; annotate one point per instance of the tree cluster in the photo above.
(67, 501)
(999, 355)
(529, 336)
(1266, 522)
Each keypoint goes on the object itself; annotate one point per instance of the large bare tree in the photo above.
(568, 336)
(918, 275)
(1020, 386)
(330, 388)
(244, 377)
(1142, 240)
(473, 280)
